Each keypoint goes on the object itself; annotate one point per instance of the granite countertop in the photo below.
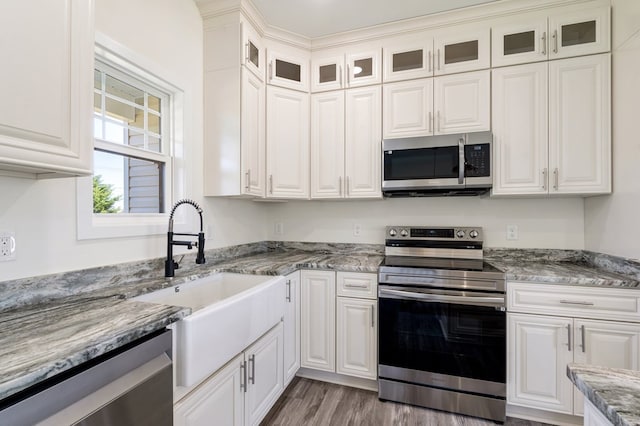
(615, 392)
(55, 322)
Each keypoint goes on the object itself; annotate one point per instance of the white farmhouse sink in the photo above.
(229, 312)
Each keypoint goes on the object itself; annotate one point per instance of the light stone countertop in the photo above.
(614, 392)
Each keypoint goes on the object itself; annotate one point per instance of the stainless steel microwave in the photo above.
(458, 164)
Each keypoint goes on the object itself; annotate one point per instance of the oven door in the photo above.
(443, 338)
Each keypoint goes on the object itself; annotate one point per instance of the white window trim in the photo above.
(94, 226)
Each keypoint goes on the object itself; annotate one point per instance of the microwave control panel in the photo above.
(477, 160)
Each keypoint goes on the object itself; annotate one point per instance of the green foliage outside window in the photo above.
(103, 197)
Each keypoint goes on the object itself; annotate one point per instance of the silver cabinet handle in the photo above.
(252, 361)
(270, 184)
(569, 336)
(347, 186)
(288, 291)
(356, 286)
(544, 43)
(270, 70)
(555, 178)
(243, 376)
(555, 41)
(340, 185)
(246, 52)
(438, 121)
(348, 75)
(544, 178)
(438, 59)
(373, 314)
(429, 61)
(430, 121)
(340, 76)
(583, 338)
(248, 179)
(576, 302)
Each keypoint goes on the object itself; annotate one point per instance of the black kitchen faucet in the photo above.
(171, 265)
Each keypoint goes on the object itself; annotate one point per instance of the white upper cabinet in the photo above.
(408, 108)
(253, 51)
(327, 145)
(408, 57)
(287, 143)
(363, 141)
(462, 102)
(520, 129)
(363, 65)
(518, 41)
(252, 146)
(327, 72)
(288, 67)
(580, 125)
(463, 48)
(579, 32)
(573, 31)
(46, 86)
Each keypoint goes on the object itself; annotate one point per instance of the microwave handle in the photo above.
(461, 165)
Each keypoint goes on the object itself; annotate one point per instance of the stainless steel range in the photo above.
(442, 322)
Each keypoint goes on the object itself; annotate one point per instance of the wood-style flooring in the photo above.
(313, 403)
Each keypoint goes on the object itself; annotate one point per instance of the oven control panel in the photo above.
(434, 233)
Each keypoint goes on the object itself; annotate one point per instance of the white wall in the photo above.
(544, 223)
(167, 35)
(612, 222)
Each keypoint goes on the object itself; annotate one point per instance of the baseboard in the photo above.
(339, 379)
(543, 416)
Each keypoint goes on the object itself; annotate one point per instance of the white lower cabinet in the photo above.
(291, 325)
(540, 346)
(339, 334)
(593, 416)
(242, 392)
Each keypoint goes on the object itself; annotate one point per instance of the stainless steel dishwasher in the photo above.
(131, 386)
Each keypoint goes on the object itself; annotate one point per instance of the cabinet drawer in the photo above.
(585, 302)
(357, 284)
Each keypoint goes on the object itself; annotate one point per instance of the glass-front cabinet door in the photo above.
(327, 73)
(288, 67)
(364, 67)
(463, 48)
(408, 58)
(252, 51)
(519, 42)
(580, 32)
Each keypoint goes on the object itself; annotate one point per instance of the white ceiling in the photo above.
(317, 18)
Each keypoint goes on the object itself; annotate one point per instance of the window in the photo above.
(131, 158)
(138, 119)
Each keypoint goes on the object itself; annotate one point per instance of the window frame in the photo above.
(95, 226)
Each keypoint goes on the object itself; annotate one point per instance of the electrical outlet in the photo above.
(278, 228)
(512, 232)
(7, 246)
(357, 229)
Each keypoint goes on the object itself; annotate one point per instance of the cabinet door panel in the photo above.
(356, 337)
(318, 315)
(252, 134)
(219, 398)
(45, 81)
(327, 73)
(292, 328)
(327, 145)
(580, 32)
(265, 375)
(461, 49)
(607, 344)
(288, 69)
(363, 67)
(408, 109)
(408, 57)
(252, 51)
(462, 102)
(287, 143)
(363, 142)
(540, 348)
(579, 125)
(519, 42)
(520, 125)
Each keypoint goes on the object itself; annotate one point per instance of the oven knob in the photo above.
(460, 233)
(404, 233)
(393, 232)
(473, 233)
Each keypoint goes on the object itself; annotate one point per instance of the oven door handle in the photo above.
(497, 302)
